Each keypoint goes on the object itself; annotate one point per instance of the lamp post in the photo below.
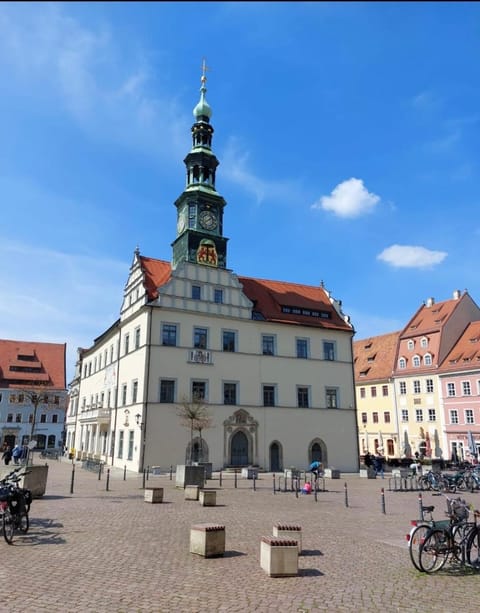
(139, 422)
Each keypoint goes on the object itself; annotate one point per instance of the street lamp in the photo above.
(138, 419)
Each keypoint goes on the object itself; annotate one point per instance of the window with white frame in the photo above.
(364, 418)
(466, 389)
(418, 414)
(384, 390)
(402, 363)
(196, 292)
(126, 340)
(410, 345)
(404, 414)
(124, 394)
(199, 390)
(268, 395)
(450, 389)
(302, 347)
(328, 350)
(268, 344)
(331, 397)
(373, 391)
(200, 338)
(218, 296)
(429, 386)
(416, 361)
(167, 390)
(416, 386)
(424, 342)
(427, 359)
(386, 417)
(453, 416)
(229, 340)
(403, 387)
(469, 416)
(229, 393)
(134, 391)
(362, 392)
(432, 415)
(375, 417)
(137, 337)
(303, 397)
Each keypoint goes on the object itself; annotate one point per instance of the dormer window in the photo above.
(402, 363)
(424, 342)
(427, 359)
(416, 361)
(410, 345)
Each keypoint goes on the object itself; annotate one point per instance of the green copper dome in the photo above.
(202, 108)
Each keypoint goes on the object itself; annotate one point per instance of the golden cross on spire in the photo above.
(204, 70)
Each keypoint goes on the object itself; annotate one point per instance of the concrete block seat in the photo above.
(289, 531)
(207, 540)
(279, 556)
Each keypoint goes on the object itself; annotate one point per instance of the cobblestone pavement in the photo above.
(110, 551)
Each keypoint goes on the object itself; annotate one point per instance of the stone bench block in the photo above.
(250, 473)
(279, 556)
(289, 531)
(332, 473)
(191, 492)
(207, 540)
(368, 473)
(208, 498)
(154, 494)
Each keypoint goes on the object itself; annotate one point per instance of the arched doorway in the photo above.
(275, 457)
(239, 449)
(317, 452)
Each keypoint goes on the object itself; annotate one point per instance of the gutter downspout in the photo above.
(114, 431)
(357, 438)
(145, 391)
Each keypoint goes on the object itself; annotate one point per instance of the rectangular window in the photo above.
(218, 296)
(416, 386)
(199, 390)
(268, 396)
(196, 292)
(373, 392)
(403, 387)
(419, 414)
(432, 416)
(54, 419)
(18, 418)
(169, 335)
(328, 350)
(229, 393)
(331, 394)
(466, 388)
(375, 417)
(43, 418)
(131, 436)
(364, 418)
(386, 417)
(302, 397)
(126, 341)
(302, 348)
(404, 414)
(453, 416)
(384, 390)
(429, 386)
(10, 417)
(167, 390)
(200, 338)
(134, 391)
(137, 338)
(111, 354)
(124, 394)
(268, 344)
(362, 392)
(120, 444)
(451, 389)
(469, 416)
(228, 340)
(12, 398)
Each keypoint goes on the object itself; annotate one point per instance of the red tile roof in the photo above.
(374, 358)
(465, 354)
(430, 318)
(47, 360)
(271, 299)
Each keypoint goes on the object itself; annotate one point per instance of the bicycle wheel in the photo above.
(473, 548)
(434, 551)
(417, 537)
(423, 484)
(459, 534)
(8, 526)
(23, 522)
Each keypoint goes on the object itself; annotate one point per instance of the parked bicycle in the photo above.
(14, 505)
(433, 481)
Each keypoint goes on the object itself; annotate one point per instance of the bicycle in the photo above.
(418, 533)
(14, 506)
(433, 481)
(458, 539)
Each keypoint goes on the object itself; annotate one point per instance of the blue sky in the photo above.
(347, 135)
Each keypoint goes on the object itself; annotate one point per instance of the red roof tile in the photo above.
(47, 360)
(374, 357)
(156, 274)
(465, 352)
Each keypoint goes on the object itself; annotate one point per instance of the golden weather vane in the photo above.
(204, 70)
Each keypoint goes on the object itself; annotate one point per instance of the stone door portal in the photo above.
(239, 449)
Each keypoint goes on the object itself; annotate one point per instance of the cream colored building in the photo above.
(271, 361)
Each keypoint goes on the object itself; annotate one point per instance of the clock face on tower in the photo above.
(208, 219)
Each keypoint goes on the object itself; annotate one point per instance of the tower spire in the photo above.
(203, 111)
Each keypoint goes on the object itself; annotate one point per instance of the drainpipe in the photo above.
(145, 392)
(355, 402)
(115, 400)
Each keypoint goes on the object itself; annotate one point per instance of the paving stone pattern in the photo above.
(110, 551)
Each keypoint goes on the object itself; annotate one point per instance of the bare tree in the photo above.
(195, 415)
(36, 398)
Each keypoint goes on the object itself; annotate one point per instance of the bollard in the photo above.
(108, 479)
(346, 494)
(171, 471)
(143, 480)
(73, 477)
(254, 484)
(420, 507)
(148, 470)
(284, 484)
(99, 472)
(315, 490)
(125, 472)
(220, 478)
(273, 483)
(235, 477)
(296, 489)
(383, 500)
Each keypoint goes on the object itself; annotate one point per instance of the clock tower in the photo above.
(200, 208)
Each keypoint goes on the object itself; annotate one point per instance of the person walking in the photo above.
(16, 453)
(7, 455)
(379, 463)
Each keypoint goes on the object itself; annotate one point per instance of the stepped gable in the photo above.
(374, 357)
(28, 364)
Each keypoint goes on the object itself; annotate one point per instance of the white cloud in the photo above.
(405, 256)
(348, 199)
